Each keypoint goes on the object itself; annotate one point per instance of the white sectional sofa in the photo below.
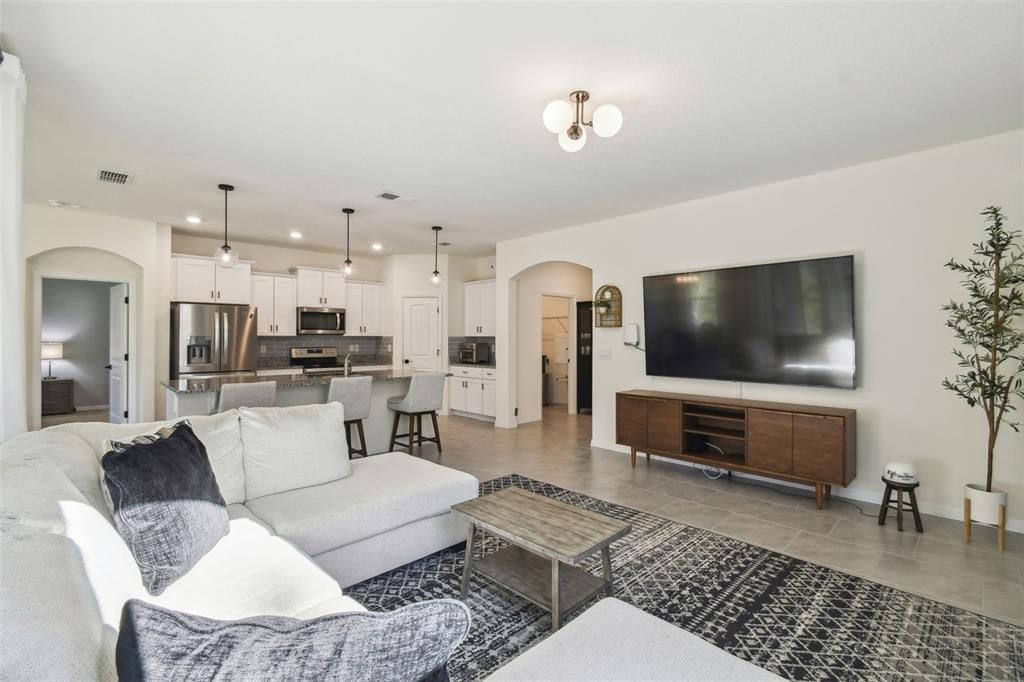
(65, 573)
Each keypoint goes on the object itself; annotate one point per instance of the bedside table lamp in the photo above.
(51, 352)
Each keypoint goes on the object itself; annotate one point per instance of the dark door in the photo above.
(584, 356)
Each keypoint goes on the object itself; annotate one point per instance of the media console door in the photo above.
(799, 443)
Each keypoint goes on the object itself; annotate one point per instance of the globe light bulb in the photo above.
(226, 256)
(436, 279)
(558, 116)
(348, 269)
(571, 145)
(607, 120)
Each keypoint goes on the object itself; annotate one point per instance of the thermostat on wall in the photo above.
(631, 334)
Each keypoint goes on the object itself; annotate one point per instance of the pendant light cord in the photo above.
(348, 225)
(226, 218)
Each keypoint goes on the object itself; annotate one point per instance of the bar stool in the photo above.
(354, 394)
(425, 395)
(258, 394)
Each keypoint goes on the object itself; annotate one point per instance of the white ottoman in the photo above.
(615, 641)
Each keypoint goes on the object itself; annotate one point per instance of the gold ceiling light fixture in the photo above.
(565, 119)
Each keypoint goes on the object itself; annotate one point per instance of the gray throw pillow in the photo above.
(410, 644)
(165, 504)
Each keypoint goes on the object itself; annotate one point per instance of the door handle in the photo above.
(218, 293)
(338, 316)
(211, 294)
(108, 367)
(405, 361)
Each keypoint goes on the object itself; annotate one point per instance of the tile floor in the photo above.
(935, 564)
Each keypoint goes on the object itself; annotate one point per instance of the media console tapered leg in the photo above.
(632, 457)
(819, 495)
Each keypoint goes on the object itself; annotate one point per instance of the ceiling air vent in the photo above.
(387, 196)
(113, 177)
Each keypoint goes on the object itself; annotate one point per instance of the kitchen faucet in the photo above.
(348, 364)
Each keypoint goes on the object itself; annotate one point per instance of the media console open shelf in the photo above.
(799, 443)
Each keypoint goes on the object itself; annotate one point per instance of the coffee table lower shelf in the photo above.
(529, 576)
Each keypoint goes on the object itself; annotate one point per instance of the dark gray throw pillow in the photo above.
(410, 644)
(165, 503)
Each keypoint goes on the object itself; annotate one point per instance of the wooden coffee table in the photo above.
(548, 540)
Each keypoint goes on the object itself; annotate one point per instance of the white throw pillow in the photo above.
(286, 448)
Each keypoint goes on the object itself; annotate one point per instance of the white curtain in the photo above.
(13, 407)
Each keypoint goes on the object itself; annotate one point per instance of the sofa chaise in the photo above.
(296, 538)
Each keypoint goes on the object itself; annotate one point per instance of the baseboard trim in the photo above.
(956, 513)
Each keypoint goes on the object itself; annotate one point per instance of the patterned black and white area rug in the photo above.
(797, 619)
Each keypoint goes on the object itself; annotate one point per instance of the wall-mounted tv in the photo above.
(779, 323)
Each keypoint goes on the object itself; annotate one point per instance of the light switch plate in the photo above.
(604, 355)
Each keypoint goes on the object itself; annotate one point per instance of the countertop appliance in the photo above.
(316, 360)
(474, 352)
(210, 338)
(320, 320)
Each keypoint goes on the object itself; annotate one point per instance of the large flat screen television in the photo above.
(779, 323)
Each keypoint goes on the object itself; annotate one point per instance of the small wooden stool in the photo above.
(900, 488)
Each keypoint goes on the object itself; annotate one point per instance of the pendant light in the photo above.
(435, 277)
(348, 268)
(225, 255)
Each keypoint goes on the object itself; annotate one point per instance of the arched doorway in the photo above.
(544, 337)
(122, 279)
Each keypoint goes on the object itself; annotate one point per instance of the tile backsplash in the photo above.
(455, 341)
(365, 350)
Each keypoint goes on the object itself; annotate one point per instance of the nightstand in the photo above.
(58, 396)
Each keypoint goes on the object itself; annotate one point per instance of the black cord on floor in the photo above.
(746, 481)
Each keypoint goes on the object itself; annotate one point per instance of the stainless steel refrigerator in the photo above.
(209, 338)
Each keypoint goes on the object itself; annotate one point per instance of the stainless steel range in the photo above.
(317, 360)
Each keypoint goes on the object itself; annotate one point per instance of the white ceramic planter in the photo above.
(984, 505)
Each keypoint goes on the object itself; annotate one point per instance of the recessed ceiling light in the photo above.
(295, 234)
(56, 202)
(376, 246)
(194, 219)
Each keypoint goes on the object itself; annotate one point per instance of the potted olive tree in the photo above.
(989, 334)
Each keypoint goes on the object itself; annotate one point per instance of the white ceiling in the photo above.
(307, 108)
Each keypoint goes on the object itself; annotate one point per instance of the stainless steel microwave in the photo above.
(320, 320)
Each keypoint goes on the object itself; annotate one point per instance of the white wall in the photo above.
(80, 245)
(902, 218)
(278, 259)
(548, 278)
(406, 276)
(77, 314)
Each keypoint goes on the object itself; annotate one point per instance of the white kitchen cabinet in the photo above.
(201, 280)
(274, 298)
(472, 390)
(320, 288)
(457, 393)
(284, 306)
(263, 299)
(234, 284)
(334, 289)
(488, 407)
(478, 308)
(362, 309)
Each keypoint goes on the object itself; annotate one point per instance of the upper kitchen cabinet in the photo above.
(320, 288)
(274, 298)
(201, 280)
(479, 308)
(362, 309)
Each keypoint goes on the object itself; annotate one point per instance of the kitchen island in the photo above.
(186, 397)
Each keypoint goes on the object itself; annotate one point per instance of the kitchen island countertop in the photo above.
(297, 380)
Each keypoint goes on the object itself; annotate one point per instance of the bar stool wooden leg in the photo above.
(918, 526)
(437, 431)
(967, 520)
(884, 511)
(362, 439)
(394, 431)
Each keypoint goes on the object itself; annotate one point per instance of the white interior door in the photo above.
(118, 353)
(421, 346)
